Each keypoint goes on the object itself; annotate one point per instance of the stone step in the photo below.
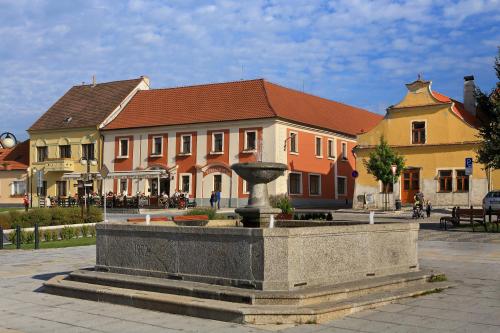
(299, 296)
(230, 311)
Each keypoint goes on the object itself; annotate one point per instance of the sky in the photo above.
(352, 51)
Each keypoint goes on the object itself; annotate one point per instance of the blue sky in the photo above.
(357, 52)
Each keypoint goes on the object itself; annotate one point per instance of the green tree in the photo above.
(488, 108)
(380, 162)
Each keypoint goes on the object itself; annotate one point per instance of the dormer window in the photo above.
(418, 132)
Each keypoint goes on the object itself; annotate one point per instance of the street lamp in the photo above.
(8, 140)
(88, 162)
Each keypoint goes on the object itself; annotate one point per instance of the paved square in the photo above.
(473, 306)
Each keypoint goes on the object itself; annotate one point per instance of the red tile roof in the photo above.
(240, 100)
(16, 158)
(458, 109)
(85, 105)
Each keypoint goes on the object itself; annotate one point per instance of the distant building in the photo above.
(14, 180)
(435, 134)
(69, 131)
(186, 138)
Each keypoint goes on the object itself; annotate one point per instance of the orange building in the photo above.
(191, 135)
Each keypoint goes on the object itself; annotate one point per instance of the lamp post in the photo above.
(88, 177)
(31, 171)
(8, 140)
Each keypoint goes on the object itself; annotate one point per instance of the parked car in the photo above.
(492, 199)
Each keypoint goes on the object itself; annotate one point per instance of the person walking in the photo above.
(428, 208)
(26, 202)
(217, 199)
(212, 199)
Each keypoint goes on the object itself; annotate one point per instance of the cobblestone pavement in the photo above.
(473, 306)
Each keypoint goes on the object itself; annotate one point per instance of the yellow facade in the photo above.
(449, 139)
(55, 166)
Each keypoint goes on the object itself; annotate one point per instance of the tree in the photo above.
(488, 108)
(380, 162)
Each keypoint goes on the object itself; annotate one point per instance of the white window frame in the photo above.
(296, 151)
(213, 152)
(120, 140)
(332, 142)
(342, 150)
(309, 184)
(15, 186)
(245, 147)
(181, 176)
(337, 186)
(181, 148)
(213, 180)
(320, 146)
(301, 183)
(153, 153)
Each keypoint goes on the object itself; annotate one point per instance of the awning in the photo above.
(80, 176)
(138, 174)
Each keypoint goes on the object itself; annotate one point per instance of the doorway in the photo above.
(410, 186)
(165, 185)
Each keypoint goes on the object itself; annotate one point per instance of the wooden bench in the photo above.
(153, 219)
(191, 218)
(471, 215)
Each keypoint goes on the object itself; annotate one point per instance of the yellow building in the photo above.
(435, 134)
(68, 134)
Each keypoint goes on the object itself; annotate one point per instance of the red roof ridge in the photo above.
(316, 96)
(205, 84)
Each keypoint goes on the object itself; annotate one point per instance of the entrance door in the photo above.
(411, 185)
(165, 185)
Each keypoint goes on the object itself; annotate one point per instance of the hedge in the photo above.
(66, 233)
(48, 216)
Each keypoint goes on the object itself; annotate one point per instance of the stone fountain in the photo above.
(258, 211)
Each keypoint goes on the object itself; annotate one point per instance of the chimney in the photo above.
(93, 81)
(469, 95)
(146, 79)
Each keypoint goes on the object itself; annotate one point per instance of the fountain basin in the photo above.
(257, 258)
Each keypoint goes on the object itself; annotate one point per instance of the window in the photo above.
(293, 143)
(314, 184)
(123, 148)
(217, 142)
(250, 140)
(65, 151)
(411, 180)
(462, 181)
(185, 183)
(42, 153)
(124, 186)
(319, 147)
(330, 149)
(295, 183)
(418, 132)
(341, 185)
(186, 144)
(42, 191)
(18, 188)
(157, 145)
(218, 183)
(445, 180)
(61, 189)
(88, 151)
(344, 151)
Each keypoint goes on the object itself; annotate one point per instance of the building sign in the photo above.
(468, 166)
(219, 169)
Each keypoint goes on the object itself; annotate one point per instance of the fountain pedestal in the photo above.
(257, 213)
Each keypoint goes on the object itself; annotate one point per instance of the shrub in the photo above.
(67, 233)
(282, 202)
(76, 232)
(85, 230)
(12, 237)
(47, 235)
(42, 216)
(54, 235)
(29, 237)
(210, 212)
(95, 215)
(92, 231)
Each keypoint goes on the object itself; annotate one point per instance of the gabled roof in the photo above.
(85, 105)
(458, 109)
(240, 100)
(16, 158)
